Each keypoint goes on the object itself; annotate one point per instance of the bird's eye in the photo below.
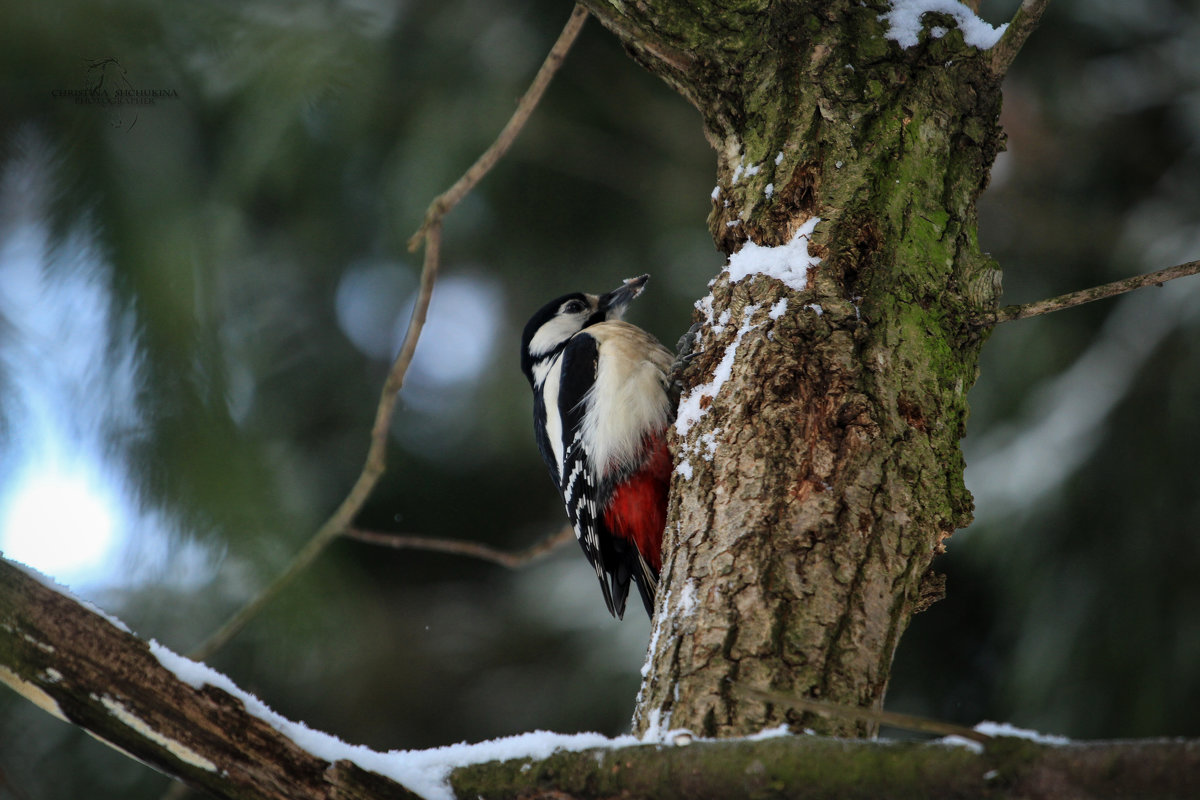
(573, 307)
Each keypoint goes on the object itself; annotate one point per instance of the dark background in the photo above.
(199, 299)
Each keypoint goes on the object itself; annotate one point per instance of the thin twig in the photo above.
(1023, 23)
(445, 201)
(906, 722)
(372, 469)
(431, 233)
(1071, 299)
(484, 552)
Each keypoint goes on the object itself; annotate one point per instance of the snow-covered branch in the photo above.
(191, 722)
(175, 715)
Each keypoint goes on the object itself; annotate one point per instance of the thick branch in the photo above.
(805, 767)
(1023, 24)
(86, 669)
(484, 552)
(1072, 299)
(905, 722)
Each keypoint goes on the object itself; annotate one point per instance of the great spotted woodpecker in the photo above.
(600, 410)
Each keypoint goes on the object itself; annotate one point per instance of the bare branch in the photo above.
(431, 234)
(448, 199)
(372, 469)
(907, 722)
(478, 550)
(1071, 299)
(1023, 23)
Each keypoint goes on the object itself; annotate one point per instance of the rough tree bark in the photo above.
(90, 671)
(826, 473)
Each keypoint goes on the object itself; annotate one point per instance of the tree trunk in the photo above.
(819, 476)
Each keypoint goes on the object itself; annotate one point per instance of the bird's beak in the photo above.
(613, 303)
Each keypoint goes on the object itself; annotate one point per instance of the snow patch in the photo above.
(425, 772)
(961, 741)
(721, 321)
(904, 23)
(788, 263)
(687, 600)
(684, 469)
(778, 309)
(1001, 729)
(1007, 729)
(652, 645)
(742, 169)
(769, 733)
(705, 306)
(691, 406)
(770, 190)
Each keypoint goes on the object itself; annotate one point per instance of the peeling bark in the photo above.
(826, 473)
(81, 667)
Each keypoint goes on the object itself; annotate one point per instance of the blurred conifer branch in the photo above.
(1023, 23)
(484, 552)
(430, 233)
(1072, 299)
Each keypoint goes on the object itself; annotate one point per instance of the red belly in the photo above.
(638, 507)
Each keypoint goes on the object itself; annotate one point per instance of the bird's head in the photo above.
(548, 330)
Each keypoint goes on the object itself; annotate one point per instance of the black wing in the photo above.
(580, 491)
(543, 441)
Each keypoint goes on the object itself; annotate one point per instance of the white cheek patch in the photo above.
(554, 428)
(554, 332)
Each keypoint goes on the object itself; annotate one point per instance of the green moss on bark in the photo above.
(835, 472)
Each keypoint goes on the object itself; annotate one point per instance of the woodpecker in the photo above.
(601, 406)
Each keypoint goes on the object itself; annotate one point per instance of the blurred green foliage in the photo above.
(299, 147)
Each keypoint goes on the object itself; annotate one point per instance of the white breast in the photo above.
(629, 398)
